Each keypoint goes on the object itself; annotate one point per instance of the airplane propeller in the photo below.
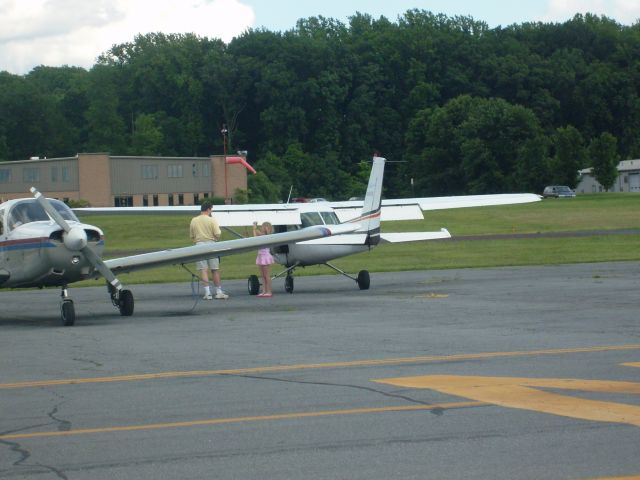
(75, 239)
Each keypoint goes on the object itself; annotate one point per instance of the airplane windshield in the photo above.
(330, 218)
(319, 218)
(311, 218)
(31, 211)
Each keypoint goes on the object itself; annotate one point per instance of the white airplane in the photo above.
(367, 213)
(43, 244)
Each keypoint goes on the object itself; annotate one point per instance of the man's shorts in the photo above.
(212, 263)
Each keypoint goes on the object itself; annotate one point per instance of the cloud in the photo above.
(624, 11)
(75, 32)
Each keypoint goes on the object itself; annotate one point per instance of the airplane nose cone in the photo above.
(75, 239)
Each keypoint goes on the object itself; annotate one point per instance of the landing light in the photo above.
(75, 260)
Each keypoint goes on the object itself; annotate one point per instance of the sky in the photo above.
(76, 32)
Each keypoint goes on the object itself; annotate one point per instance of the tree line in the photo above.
(461, 107)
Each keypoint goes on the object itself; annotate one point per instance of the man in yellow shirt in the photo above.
(204, 229)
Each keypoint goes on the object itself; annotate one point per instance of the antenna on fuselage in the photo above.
(289, 197)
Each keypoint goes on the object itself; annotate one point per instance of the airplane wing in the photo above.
(219, 249)
(349, 210)
(463, 201)
(412, 208)
(227, 215)
(289, 214)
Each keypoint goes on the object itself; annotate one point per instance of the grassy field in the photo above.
(586, 213)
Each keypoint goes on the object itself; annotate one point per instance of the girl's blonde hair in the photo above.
(267, 228)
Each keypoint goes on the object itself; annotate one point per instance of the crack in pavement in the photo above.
(435, 411)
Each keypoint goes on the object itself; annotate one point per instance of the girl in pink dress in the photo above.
(264, 259)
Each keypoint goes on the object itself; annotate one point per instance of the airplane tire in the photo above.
(253, 284)
(363, 280)
(288, 284)
(125, 303)
(67, 313)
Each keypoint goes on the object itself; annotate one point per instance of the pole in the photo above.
(224, 133)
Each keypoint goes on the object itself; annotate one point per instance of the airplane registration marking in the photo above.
(257, 418)
(526, 394)
(315, 366)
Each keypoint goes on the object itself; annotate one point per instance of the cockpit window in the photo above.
(310, 218)
(330, 218)
(30, 211)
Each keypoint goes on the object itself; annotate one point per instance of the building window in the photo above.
(149, 172)
(5, 175)
(180, 199)
(123, 201)
(206, 168)
(155, 199)
(54, 174)
(145, 200)
(171, 199)
(65, 174)
(196, 198)
(31, 174)
(174, 171)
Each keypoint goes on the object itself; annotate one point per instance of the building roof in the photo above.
(623, 166)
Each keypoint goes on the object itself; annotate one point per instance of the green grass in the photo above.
(133, 234)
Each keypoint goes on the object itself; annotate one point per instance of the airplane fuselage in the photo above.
(34, 254)
(307, 254)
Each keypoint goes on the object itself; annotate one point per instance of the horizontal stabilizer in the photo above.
(414, 236)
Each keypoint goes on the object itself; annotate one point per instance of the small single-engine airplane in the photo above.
(43, 244)
(367, 213)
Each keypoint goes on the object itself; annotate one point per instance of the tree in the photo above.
(105, 125)
(147, 137)
(476, 145)
(570, 156)
(262, 189)
(604, 159)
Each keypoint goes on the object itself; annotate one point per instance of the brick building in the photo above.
(104, 180)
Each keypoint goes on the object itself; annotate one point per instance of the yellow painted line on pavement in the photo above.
(632, 364)
(526, 394)
(630, 477)
(314, 366)
(260, 418)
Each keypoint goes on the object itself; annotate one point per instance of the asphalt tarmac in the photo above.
(505, 373)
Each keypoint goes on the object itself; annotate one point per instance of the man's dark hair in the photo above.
(205, 206)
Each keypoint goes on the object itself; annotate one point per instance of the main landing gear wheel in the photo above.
(125, 303)
(288, 284)
(67, 313)
(363, 280)
(253, 285)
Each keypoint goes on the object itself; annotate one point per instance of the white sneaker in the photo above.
(221, 296)
(207, 297)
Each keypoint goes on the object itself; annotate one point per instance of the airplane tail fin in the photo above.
(370, 217)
